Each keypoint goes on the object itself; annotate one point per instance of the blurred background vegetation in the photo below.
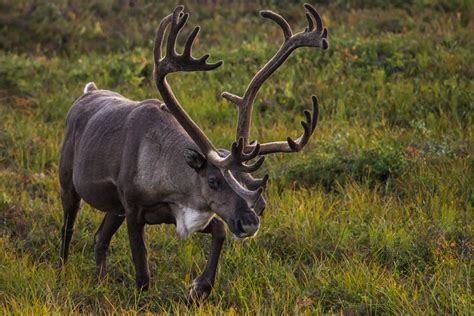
(375, 216)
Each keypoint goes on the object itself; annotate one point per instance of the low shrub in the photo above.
(375, 164)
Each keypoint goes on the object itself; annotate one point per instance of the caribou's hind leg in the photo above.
(202, 285)
(107, 229)
(70, 202)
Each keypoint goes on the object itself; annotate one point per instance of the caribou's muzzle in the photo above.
(245, 225)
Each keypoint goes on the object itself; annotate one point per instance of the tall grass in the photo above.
(374, 217)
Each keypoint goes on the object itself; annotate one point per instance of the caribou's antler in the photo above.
(311, 37)
(291, 145)
(173, 62)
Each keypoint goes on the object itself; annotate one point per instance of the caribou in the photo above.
(148, 162)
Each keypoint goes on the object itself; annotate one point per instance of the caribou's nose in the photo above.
(248, 226)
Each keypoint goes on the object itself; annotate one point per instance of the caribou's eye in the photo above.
(213, 182)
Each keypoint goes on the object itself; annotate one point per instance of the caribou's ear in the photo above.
(194, 159)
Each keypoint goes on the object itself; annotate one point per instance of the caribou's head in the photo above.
(237, 208)
(225, 176)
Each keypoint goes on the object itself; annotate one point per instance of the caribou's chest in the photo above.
(189, 220)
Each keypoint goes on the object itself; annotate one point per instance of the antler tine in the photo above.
(253, 183)
(316, 16)
(278, 19)
(310, 23)
(249, 195)
(250, 182)
(177, 23)
(291, 145)
(255, 166)
(238, 147)
(173, 62)
(187, 52)
(235, 161)
(255, 150)
(188, 46)
(250, 192)
(314, 122)
(159, 36)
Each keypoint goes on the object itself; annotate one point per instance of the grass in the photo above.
(374, 217)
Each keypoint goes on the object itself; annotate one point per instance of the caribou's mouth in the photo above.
(241, 231)
(240, 228)
(235, 237)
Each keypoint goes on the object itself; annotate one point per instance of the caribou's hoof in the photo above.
(100, 273)
(199, 291)
(143, 283)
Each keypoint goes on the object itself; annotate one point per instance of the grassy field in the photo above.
(374, 217)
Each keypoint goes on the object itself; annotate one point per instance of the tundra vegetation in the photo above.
(374, 216)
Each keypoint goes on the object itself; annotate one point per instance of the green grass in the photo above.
(374, 217)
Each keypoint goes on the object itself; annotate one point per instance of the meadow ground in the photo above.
(374, 217)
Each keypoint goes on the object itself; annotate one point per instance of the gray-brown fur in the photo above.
(149, 163)
(132, 160)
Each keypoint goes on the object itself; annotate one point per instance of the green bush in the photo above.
(375, 164)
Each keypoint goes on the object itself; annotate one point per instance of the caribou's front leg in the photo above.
(202, 285)
(136, 230)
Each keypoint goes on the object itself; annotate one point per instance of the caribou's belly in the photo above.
(101, 195)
